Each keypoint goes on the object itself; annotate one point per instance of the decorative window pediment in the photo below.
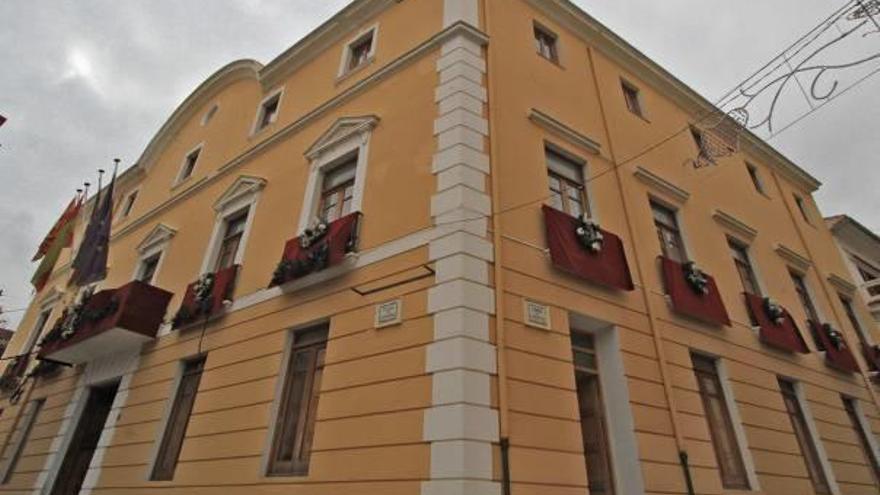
(243, 187)
(341, 130)
(160, 234)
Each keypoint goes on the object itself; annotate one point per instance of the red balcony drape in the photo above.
(786, 336)
(708, 308)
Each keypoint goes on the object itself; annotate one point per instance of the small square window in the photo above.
(189, 164)
(756, 178)
(803, 208)
(269, 112)
(359, 52)
(545, 44)
(633, 98)
(129, 204)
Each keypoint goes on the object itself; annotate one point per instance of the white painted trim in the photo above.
(345, 58)
(227, 206)
(179, 178)
(156, 242)
(866, 427)
(738, 227)
(842, 285)
(328, 152)
(800, 262)
(121, 214)
(570, 134)
(659, 184)
(467, 11)
(166, 416)
(816, 438)
(738, 430)
(255, 127)
(626, 467)
(139, 266)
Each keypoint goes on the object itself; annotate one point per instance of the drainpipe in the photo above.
(500, 343)
(656, 331)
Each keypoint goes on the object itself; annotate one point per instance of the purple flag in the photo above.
(90, 264)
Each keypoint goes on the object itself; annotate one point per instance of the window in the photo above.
(232, 235)
(147, 270)
(858, 424)
(756, 178)
(854, 319)
(129, 203)
(178, 419)
(210, 114)
(700, 140)
(295, 423)
(804, 437)
(800, 286)
(633, 98)
(189, 164)
(359, 52)
(668, 232)
(799, 201)
(337, 191)
(545, 44)
(17, 439)
(39, 326)
(727, 451)
(567, 191)
(594, 428)
(268, 111)
(744, 268)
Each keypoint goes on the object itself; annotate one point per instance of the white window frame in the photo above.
(327, 154)
(814, 435)
(261, 109)
(739, 431)
(866, 427)
(180, 179)
(686, 244)
(557, 45)
(244, 193)
(347, 51)
(622, 442)
(584, 170)
(156, 242)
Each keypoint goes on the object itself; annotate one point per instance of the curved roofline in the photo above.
(234, 71)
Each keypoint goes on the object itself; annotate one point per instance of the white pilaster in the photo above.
(461, 425)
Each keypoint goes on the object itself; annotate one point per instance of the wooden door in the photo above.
(85, 440)
(594, 434)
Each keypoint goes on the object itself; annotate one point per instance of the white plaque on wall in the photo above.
(389, 313)
(537, 315)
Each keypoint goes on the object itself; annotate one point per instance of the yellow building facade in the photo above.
(447, 256)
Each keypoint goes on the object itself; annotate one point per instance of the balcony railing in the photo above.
(107, 322)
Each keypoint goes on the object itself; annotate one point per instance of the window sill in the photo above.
(351, 72)
(554, 62)
(180, 183)
(639, 116)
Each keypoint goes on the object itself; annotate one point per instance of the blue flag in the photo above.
(90, 264)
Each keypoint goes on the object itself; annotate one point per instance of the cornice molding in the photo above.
(341, 130)
(160, 234)
(660, 184)
(609, 43)
(246, 185)
(841, 284)
(551, 124)
(735, 225)
(792, 257)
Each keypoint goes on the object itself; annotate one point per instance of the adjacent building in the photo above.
(435, 248)
(861, 252)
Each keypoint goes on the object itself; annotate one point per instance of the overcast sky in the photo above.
(84, 81)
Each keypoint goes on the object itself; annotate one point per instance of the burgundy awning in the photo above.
(840, 358)
(785, 336)
(112, 320)
(708, 307)
(607, 267)
(329, 250)
(872, 356)
(224, 284)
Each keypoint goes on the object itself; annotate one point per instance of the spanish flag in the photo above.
(60, 237)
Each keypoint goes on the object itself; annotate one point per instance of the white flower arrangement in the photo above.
(313, 233)
(590, 234)
(774, 311)
(696, 278)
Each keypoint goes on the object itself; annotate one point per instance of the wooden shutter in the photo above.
(18, 438)
(175, 430)
(727, 450)
(295, 423)
(804, 438)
